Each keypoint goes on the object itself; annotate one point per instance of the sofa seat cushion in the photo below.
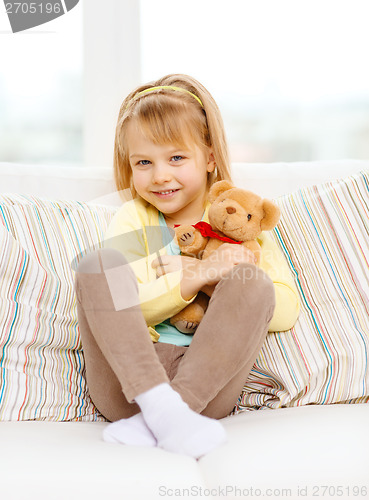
(69, 460)
(291, 449)
(296, 449)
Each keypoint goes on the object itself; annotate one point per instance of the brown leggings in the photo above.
(122, 361)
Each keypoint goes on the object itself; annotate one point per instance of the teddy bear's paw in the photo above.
(186, 238)
(186, 326)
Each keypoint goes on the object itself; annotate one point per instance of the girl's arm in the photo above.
(160, 297)
(274, 263)
(203, 274)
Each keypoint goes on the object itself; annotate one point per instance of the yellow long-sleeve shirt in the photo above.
(136, 232)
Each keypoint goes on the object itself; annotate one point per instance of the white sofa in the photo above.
(310, 451)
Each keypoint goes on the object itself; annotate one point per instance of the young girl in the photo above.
(158, 386)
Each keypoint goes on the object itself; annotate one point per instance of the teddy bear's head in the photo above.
(239, 214)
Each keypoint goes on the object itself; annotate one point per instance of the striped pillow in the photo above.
(41, 363)
(324, 234)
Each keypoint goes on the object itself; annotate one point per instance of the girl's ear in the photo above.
(211, 162)
(218, 188)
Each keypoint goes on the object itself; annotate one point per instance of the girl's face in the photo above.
(173, 180)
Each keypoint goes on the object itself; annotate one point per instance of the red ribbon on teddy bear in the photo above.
(207, 231)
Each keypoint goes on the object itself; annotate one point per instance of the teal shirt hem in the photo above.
(169, 334)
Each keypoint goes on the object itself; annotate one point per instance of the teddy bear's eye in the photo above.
(249, 216)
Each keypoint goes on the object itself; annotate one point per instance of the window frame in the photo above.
(112, 67)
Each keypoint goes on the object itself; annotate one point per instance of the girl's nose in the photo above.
(161, 174)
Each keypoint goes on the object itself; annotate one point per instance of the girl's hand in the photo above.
(208, 289)
(233, 253)
(223, 259)
(191, 281)
(203, 274)
(170, 263)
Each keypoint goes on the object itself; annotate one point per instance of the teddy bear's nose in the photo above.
(230, 210)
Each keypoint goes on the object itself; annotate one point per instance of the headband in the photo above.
(180, 89)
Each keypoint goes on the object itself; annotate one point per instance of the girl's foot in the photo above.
(175, 426)
(131, 431)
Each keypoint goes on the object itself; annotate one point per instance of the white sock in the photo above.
(132, 431)
(176, 427)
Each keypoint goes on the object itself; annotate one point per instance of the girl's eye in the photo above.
(178, 157)
(140, 162)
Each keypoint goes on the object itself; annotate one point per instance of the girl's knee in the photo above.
(248, 279)
(100, 260)
(106, 274)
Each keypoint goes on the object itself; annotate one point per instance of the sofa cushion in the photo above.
(70, 461)
(307, 452)
(41, 362)
(324, 234)
(274, 179)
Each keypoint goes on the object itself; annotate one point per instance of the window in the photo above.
(41, 91)
(290, 78)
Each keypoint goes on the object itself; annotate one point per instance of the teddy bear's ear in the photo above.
(218, 188)
(271, 215)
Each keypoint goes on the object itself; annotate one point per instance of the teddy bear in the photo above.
(236, 216)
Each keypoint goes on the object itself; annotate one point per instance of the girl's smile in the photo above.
(174, 180)
(166, 194)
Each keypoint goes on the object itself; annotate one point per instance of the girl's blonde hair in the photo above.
(167, 116)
